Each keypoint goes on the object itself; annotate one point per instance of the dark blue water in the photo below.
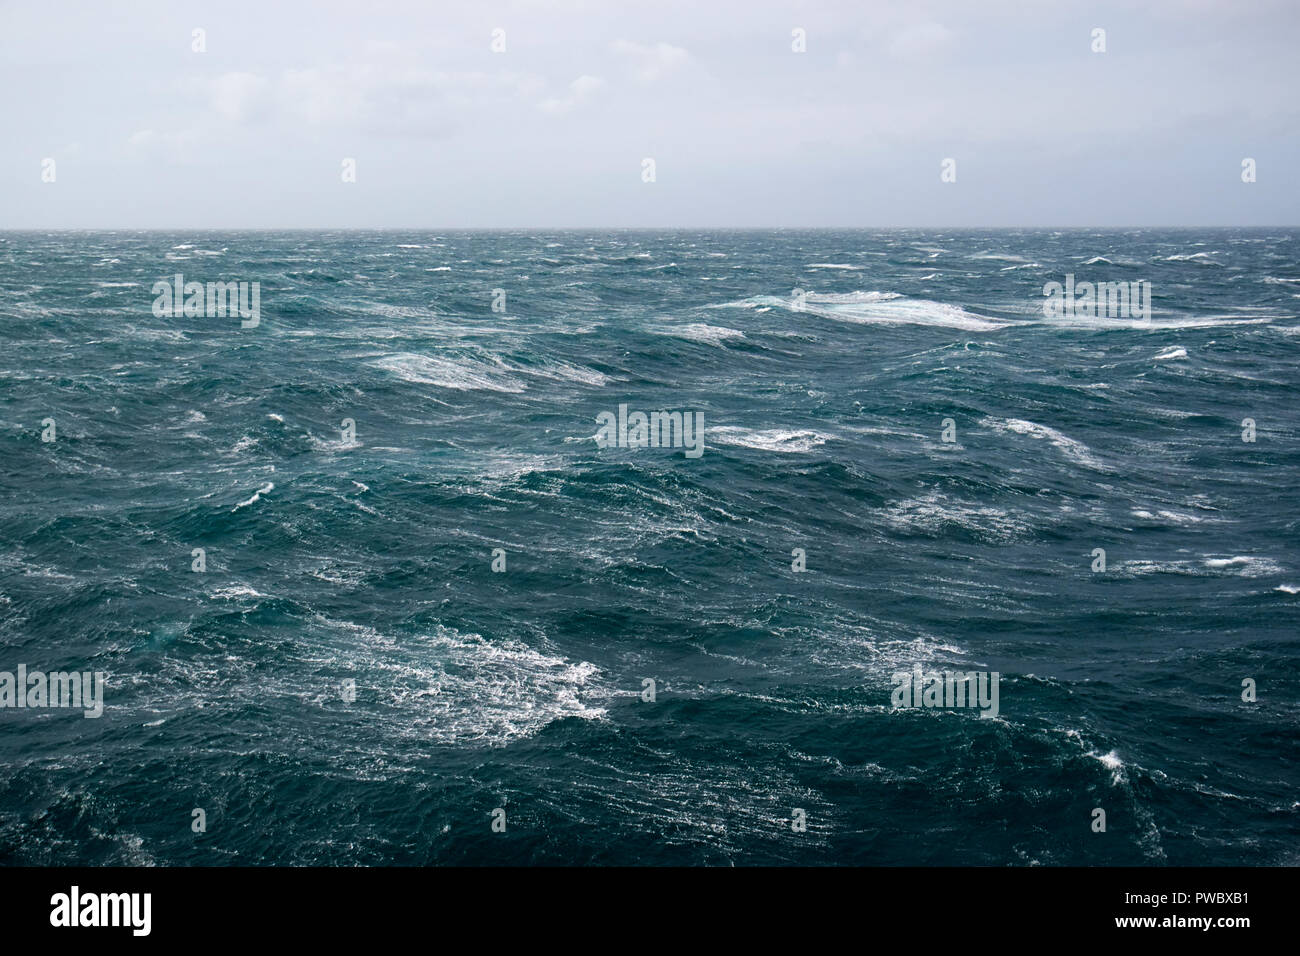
(369, 558)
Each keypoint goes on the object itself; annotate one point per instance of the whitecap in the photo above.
(257, 496)
(1174, 517)
(446, 372)
(772, 439)
(1200, 258)
(1076, 451)
(1248, 565)
(1000, 257)
(877, 308)
(701, 332)
(851, 298)
(1112, 762)
(457, 688)
(235, 591)
(934, 514)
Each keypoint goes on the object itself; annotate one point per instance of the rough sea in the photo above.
(349, 681)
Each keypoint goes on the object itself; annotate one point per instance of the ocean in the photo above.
(387, 572)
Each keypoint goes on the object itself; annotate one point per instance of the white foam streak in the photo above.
(772, 439)
(1076, 451)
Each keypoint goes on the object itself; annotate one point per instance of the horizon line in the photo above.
(1098, 228)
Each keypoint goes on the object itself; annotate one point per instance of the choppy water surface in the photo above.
(369, 558)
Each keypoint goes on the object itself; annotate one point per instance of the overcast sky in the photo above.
(144, 132)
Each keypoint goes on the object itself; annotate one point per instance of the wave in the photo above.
(465, 374)
(1174, 517)
(482, 370)
(1200, 258)
(234, 592)
(1249, 565)
(1102, 323)
(936, 514)
(701, 332)
(559, 371)
(257, 496)
(1245, 565)
(1074, 450)
(877, 308)
(772, 439)
(1112, 762)
(851, 298)
(471, 690)
(999, 257)
(1103, 261)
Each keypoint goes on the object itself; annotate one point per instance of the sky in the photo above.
(552, 129)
